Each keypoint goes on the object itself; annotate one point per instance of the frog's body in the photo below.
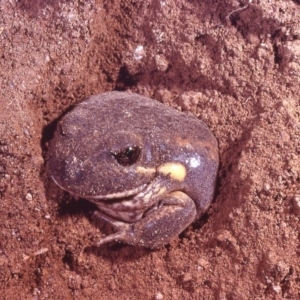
(150, 169)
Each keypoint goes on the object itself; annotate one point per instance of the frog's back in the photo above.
(117, 110)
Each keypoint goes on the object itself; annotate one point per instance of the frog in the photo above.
(150, 169)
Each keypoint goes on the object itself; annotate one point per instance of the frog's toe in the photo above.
(123, 229)
(118, 225)
(118, 236)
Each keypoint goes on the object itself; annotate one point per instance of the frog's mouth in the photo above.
(118, 195)
(167, 176)
(126, 206)
(130, 205)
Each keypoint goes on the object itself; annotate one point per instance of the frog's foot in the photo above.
(120, 226)
(158, 226)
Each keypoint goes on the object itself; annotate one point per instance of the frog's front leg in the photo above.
(158, 226)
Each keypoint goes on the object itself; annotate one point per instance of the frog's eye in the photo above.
(127, 156)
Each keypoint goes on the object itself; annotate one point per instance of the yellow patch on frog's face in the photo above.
(175, 170)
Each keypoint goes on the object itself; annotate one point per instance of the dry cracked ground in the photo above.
(234, 64)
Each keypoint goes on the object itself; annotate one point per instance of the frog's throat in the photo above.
(117, 195)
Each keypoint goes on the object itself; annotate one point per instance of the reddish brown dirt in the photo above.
(238, 71)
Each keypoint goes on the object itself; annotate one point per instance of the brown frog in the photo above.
(150, 169)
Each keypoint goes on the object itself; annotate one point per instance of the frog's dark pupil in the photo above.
(128, 156)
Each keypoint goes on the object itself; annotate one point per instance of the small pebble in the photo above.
(276, 289)
(139, 52)
(41, 251)
(47, 217)
(36, 291)
(159, 296)
(296, 204)
(266, 187)
(161, 62)
(26, 132)
(28, 197)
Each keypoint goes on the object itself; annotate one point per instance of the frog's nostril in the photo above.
(127, 156)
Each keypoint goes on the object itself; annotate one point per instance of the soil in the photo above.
(234, 64)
